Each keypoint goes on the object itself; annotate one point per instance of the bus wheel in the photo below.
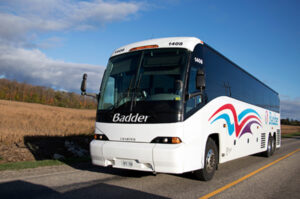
(269, 151)
(210, 163)
(273, 144)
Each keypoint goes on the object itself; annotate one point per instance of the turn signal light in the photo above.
(143, 47)
(167, 140)
(176, 140)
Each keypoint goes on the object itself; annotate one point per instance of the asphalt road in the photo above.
(280, 180)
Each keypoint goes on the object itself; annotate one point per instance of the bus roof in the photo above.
(169, 42)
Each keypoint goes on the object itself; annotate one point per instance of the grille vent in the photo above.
(278, 137)
(263, 140)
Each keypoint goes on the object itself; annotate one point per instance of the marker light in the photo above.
(167, 140)
(143, 47)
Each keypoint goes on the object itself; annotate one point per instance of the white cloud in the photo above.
(23, 22)
(290, 108)
(33, 66)
(20, 18)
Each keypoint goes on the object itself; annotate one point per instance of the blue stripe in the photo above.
(230, 126)
(245, 112)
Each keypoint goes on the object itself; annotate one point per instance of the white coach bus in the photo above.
(176, 105)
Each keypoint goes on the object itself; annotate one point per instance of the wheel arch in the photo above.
(216, 138)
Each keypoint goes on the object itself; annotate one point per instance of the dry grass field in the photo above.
(287, 129)
(19, 120)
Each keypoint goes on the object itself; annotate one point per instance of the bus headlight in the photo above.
(100, 137)
(167, 140)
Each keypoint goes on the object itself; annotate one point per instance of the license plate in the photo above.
(127, 163)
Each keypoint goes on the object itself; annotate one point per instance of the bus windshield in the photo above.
(135, 81)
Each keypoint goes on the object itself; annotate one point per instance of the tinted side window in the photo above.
(223, 78)
(216, 76)
(196, 62)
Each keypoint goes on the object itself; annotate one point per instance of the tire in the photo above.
(210, 163)
(269, 152)
(273, 144)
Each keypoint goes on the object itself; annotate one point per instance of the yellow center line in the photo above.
(246, 176)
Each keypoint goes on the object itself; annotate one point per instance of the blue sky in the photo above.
(52, 42)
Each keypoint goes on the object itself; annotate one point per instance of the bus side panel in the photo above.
(241, 128)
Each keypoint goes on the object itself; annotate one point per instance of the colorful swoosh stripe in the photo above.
(241, 123)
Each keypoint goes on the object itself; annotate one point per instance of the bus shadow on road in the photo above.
(21, 189)
(73, 151)
(58, 147)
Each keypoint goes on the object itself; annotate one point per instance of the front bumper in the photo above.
(162, 158)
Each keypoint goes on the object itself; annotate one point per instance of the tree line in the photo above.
(13, 90)
(288, 121)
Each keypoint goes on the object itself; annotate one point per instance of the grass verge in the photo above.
(41, 163)
(289, 135)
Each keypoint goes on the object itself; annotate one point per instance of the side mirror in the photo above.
(83, 88)
(200, 79)
(83, 84)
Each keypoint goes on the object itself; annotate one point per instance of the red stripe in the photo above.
(238, 127)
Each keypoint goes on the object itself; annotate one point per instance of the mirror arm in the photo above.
(93, 95)
(191, 95)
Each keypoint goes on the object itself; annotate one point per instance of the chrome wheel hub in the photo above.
(210, 161)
